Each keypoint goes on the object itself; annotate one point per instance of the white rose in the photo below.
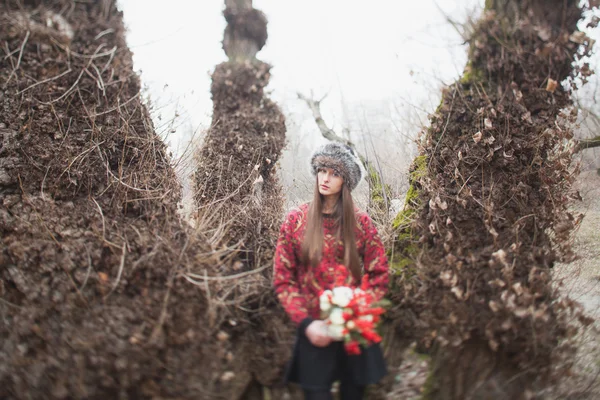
(325, 296)
(342, 296)
(336, 332)
(325, 306)
(350, 325)
(336, 317)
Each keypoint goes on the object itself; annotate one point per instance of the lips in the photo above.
(324, 187)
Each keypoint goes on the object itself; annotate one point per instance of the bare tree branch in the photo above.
(377, 188)
(328, 133)
(461, 29)
(583, 144)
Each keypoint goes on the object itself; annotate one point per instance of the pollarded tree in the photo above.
(486, 214)
(237, 191)
(235, 178)
(95, 266)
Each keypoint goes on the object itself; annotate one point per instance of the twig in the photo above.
(100, 81)
(8, 303)
(589, 386)
(445, 126)
(380, 175)
(189, 275)
(121, 265)
(14, 71)
(146, 256)
(462, 32)
(104, 32)
(87, 275)
(44, 81)
(233, 193)
(583, 144)
(78, 78)
(85, 56)
(81, 155)
(44, 182)
(101, 215)
(9, 53)
(129, 186)
(163, 313)
(112, 55)
(135, 96)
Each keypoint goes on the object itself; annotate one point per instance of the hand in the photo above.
(316, 332)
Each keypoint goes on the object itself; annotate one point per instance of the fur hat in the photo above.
(342, 159)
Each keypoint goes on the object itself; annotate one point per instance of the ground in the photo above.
(581, 281)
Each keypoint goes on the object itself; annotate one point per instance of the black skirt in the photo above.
(316, 368)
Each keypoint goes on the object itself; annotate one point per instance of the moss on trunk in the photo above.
(472, 264)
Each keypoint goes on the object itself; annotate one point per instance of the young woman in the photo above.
(314, 239)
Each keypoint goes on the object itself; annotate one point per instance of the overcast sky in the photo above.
(369, 52)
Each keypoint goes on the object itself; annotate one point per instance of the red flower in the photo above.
(341, 273)
(371, 336)
(364, 325)
(376, 311)
(352, 347)
(364, 284)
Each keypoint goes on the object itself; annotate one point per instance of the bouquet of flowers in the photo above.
(351, 315)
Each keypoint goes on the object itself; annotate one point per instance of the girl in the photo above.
(314, 239)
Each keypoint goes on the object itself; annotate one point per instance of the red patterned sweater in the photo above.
(298, 286)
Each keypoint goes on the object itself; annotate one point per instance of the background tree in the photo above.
(379, 193)
(237, 191)
(235, 178)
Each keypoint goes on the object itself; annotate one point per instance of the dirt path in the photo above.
(582, 278)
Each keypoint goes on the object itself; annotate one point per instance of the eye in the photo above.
(336, 174)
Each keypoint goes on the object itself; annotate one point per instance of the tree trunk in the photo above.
(486, 214)
(90, 235)
(246, 31)
(103, 292)
(474, 371)
(237, 189)
(235, 179)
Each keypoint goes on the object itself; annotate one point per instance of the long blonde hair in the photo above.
(345, 220)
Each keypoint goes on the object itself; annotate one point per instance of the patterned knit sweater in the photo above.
(298, 286)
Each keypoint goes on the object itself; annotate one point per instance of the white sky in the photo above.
(363, 50)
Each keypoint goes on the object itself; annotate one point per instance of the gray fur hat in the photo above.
(341, 158)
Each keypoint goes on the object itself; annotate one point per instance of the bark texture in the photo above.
(236, 178)
(237, 190)
(486, 215)
(103, 292)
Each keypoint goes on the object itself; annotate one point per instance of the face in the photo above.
(330, 182)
